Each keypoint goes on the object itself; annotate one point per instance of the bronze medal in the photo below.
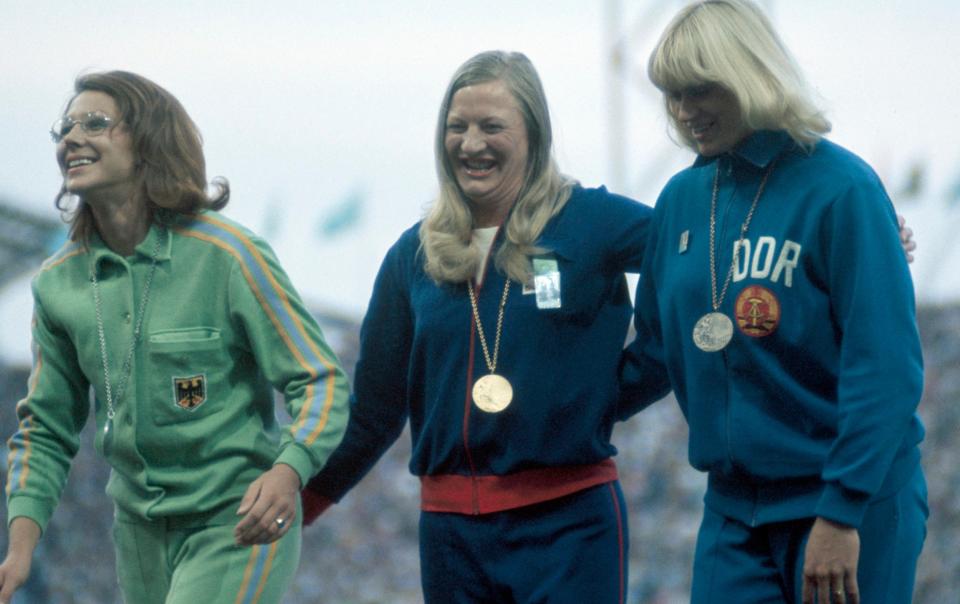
(713, 332)
(106, 442)
(492, 393)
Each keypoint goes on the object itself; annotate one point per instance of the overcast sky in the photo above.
(304, 104)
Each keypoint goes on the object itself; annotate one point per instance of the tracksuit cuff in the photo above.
(842, 505)
(35, 509)
(298, 459)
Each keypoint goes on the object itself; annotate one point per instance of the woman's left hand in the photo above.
(906, 238)
(269, 506)
(830, 564)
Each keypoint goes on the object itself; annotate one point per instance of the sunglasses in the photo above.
(92, 124)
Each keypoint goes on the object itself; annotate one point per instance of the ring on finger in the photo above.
(281, 522)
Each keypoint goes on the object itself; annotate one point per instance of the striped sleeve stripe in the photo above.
(63, 254)
(18, 458)
(256, 574)
(314, 414)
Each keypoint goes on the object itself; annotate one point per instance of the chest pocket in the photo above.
(584, 286)
(187, 367)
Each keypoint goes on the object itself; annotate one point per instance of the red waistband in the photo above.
(485, 494)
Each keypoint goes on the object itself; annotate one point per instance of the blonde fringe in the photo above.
(733, 44)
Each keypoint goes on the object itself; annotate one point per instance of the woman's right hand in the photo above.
(24, 535)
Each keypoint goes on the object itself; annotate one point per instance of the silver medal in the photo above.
(713, 332)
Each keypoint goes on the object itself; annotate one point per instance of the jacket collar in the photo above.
(757, 150)
(156, 235)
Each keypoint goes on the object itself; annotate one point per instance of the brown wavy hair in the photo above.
(170, 169)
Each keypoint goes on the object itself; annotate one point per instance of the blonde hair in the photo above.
(731, 43)
(446, 231)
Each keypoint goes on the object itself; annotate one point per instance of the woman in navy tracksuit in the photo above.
(517, 272)
(775, 291)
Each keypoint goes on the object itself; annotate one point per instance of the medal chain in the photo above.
(491, 361)
(128, 362)
(743, 233)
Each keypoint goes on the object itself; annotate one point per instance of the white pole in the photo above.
(615, 58)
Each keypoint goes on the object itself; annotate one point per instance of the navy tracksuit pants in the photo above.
(570, 550)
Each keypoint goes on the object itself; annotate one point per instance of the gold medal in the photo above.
(492, 393)
(713, 332)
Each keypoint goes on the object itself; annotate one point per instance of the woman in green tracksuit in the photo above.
(183, 324)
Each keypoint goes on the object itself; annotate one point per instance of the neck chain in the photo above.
(492, 392)
(491, 361)
(128, 361)
(743, 233)
(714, 330)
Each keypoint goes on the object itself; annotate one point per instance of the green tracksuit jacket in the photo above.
(222, 329)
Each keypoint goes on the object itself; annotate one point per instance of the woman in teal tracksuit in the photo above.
(776, 293)
(183, 324)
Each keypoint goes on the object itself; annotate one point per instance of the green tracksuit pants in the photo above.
(163, 563)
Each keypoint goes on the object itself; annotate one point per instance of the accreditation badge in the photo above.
(546, 282)
(684, 242)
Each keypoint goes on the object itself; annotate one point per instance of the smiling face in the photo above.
(710, 115)
(487, 147)
(99, 165)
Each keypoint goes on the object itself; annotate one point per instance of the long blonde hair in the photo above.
(733, 44)
(446, 231)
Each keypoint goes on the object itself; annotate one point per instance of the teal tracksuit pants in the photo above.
(739, 564)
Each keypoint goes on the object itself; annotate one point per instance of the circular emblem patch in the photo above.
(758, 311)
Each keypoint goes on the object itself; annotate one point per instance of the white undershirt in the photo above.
(484, 239)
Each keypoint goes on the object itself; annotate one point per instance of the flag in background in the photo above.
(913, 185)
(342, 216)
